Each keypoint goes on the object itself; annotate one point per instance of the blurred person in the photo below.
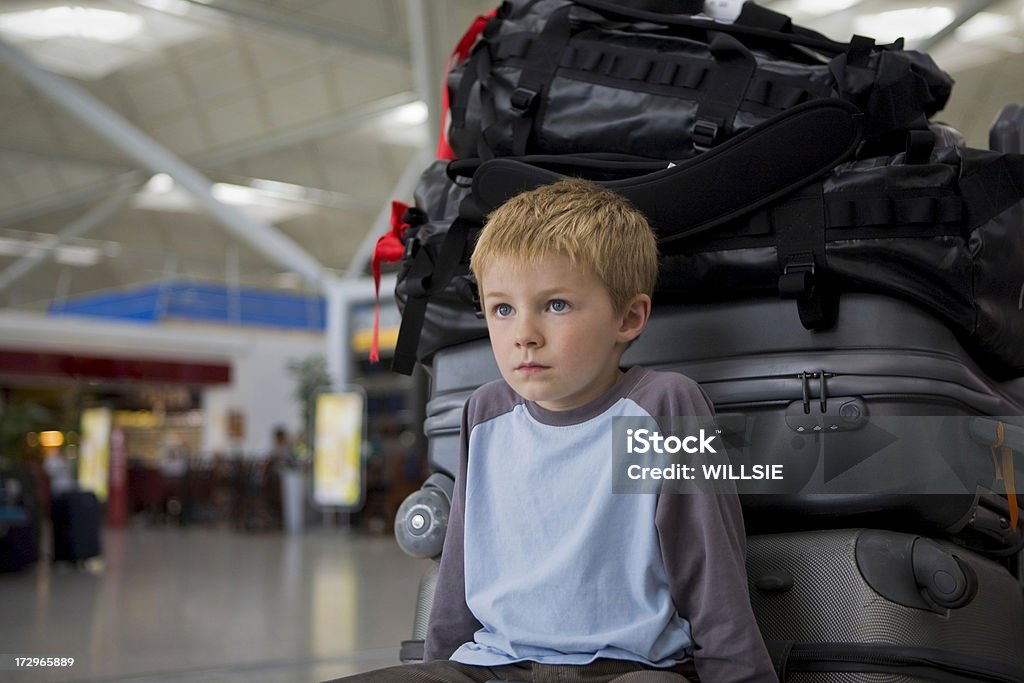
(174, 457)
(282, 451)
(58, 469)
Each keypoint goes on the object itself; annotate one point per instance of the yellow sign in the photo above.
(94, 451)
(337, 454)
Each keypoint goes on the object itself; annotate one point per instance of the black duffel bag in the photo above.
(640, 77)
(946, 235)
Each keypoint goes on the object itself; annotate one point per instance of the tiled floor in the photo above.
(214, 605)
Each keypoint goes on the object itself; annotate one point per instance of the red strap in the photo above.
(459, 54)
(389, 248)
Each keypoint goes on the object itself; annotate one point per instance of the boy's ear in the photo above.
(634, 318)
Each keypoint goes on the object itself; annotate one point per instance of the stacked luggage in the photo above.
(850, 304)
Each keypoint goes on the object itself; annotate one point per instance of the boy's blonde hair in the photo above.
(599, 230)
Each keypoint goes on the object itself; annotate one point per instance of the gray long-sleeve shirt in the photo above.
(542, 562)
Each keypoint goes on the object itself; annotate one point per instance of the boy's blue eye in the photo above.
(502, 310)
(558, 305)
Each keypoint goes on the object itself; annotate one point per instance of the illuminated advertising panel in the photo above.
(337, 460)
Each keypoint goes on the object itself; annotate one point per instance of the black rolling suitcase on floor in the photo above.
(19, 518)
(859, 605)
(76, 527)
(18, 547)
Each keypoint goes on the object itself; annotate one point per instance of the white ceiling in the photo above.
(309, 94)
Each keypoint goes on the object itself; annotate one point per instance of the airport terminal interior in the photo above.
(191, 193)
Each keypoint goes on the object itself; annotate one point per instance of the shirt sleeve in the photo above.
(451, 624)
(703, 545)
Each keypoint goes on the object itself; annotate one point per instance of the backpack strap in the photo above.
(425, 278)
(736, 178)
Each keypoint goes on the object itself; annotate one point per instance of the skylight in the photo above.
(914, 23)
(105, 26)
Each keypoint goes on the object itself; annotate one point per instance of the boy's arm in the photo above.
(703, 546)
(451, 623)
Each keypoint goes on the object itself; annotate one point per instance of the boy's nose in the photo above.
(527, 335)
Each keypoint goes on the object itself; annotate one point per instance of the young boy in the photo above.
(547, 575)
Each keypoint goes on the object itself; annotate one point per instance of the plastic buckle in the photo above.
(521, 100)
(412, 247)
(705, 135)
(920, 144)
(797, 279)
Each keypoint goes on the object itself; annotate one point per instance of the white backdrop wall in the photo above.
(262, 392)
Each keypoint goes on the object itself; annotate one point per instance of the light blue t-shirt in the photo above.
(543, 562)
(562, 571)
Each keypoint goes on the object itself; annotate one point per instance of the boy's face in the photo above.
(555, 334)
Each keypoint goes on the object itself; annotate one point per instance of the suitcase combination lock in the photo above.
(824, 414)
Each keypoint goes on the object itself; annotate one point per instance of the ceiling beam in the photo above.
(290, 137)
(962, 18)
(27, 211)
(375, 43)
(121, 134)
(89, 220)
(57, 157)
(268, 144)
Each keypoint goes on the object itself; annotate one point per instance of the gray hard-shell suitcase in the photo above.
(862, 605)
(779, 389)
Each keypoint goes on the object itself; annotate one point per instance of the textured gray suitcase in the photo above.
(883, 359)
(860, 606)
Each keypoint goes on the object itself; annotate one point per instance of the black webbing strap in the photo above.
(596, 60)
(426, 277)
(800, 241)
(414, 313)
(910, 207)
(667, 74)
(756, 16)
(476, 68)
(470, 75)
(538, 70)
(733, 71)
(666, 6)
